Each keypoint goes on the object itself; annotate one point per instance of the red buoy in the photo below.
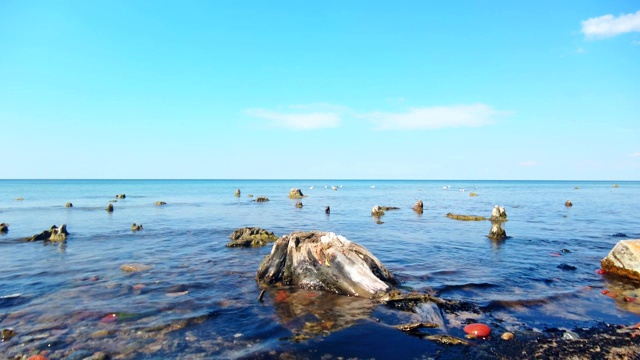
(479, 330)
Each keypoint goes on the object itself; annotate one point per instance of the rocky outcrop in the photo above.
(418, 207)
(237, 194)
(262, 199)
(327, 262)
(136, 227)
(377, 211)
(251, 237)
(624, 259)
(4, 227)
(109, 208)
(53, 234)
(295, 194)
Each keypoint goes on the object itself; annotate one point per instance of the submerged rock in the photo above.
(160, 203)
(466, 217)
(327, 262)
(53, 234)
(251, 237)
(295, 194)
(624, 259)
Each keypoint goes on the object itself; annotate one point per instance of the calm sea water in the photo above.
(199, 298)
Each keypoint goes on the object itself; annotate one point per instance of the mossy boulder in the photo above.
(466, 217)
(53, 234)
(251, 237)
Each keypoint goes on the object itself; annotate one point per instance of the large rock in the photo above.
(624, 259)
(327, 262)
(251, 237)
(53, 234)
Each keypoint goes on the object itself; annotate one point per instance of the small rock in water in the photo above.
(477, 329)
(566, 267)
(619, 235)
(134, 267)
(507, 336)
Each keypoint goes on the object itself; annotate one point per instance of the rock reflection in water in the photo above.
(310, 313)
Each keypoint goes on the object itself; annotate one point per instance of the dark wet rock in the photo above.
(466, 217)
(497, 232)
(68, 205)
(110, 208)
(619, 235)
(295, 194)
(160, 203)
(565, 251)
(251, 237)
(299, 204)
(4, 227)
(53, 234)
(237, 194)
(568, 203)
(624, 259)
(377, 211)
(262, 199)
(498, 213)
(327, 210)
(418, 206)
(136, 227)
(327, 262)
(566, 267)
(121, 196)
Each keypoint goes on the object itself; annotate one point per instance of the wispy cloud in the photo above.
(302, 117)
(635, 154)
(609, 25)
(530, 163)
(437, 117)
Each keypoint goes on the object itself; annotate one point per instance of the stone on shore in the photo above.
(327, 262)
(251, 237)
(295, 194)
(53, 234)
(624, 259)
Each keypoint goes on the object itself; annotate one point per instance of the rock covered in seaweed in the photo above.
(624, 259)
(251, 237)
(327, 262)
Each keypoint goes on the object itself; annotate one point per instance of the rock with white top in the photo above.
(327, 262)
(624, 259)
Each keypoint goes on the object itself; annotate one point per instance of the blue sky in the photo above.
(330, 90)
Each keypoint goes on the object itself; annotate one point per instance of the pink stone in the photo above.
(109, 318)
(479, 330)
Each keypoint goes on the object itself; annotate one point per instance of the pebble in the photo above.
(479, 330)
(507, 336)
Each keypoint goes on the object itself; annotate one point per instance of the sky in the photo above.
(469, 90)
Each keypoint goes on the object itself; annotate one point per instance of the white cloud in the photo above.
(437, 117)
(635, 154)
(302, 117)
(609, 25)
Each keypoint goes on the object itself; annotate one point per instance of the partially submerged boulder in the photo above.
(568, 203)
(377, 211)
(327, 262)
(237, 193)
(624, 259)
(109, 208)
(136, 227)
(295, 194)
(299, 204)
(53, 234)
(4, 227)
(251, 237)
(160, 203)
(466, 217)
(121, 196)
(262, 199)
(418, 207)
(68, 205)
(498, 214)
(497, 232)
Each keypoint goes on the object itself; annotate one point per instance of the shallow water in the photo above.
(199, 298)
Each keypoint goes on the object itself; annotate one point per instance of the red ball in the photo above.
(480, 330)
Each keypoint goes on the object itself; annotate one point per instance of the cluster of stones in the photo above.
(251, 237)
(53, 234)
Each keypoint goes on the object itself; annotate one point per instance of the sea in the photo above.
(196, 298)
